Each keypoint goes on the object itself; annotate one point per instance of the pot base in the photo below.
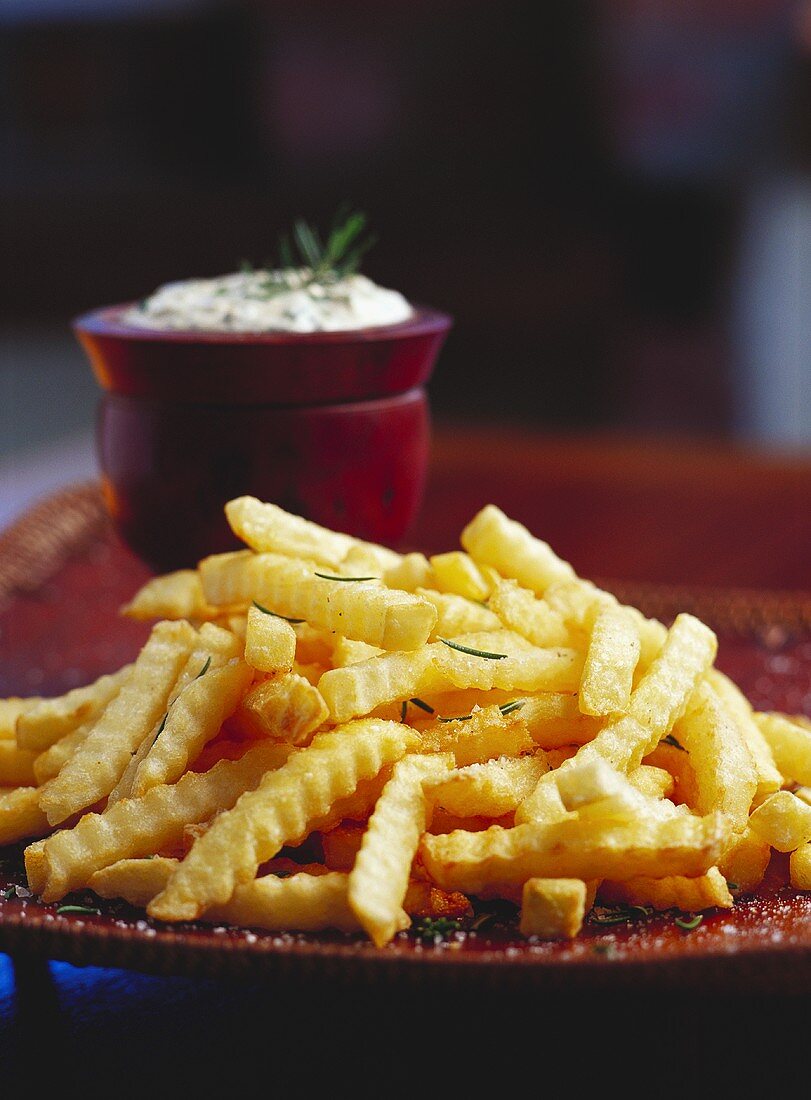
(169, 467)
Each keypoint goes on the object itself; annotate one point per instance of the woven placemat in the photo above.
(43, 539)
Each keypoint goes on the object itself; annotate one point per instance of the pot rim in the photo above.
(107, 321)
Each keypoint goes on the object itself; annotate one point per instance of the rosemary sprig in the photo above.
(275, 614)
(505, 708)
(204, 669)
(687, 924)
(474, 652)
(508, 708)
(417, 703)
(328, 577)
(422, 705)
(671, 740)
(306, 260)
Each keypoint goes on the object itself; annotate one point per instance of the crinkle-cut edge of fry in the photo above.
(691, 895)
(137, 881)
(136, 826)
(571, 848)
(194, 718)
(43, 724)
(95, 767)
(611, 659)
(283, 809)
(379, 879)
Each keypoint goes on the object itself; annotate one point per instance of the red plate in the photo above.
(66, 631)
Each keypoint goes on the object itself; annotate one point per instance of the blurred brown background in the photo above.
(612, 198)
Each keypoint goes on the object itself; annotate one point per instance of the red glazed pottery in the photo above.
(333, 426)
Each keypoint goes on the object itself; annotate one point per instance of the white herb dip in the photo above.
(270, 301)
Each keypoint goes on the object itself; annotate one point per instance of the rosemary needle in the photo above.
(474, 652)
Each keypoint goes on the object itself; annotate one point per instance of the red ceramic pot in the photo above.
(332, 426)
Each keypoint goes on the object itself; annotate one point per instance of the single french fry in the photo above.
(800, 867)
(783, 821)
(20, 815)
(142, 826)
(769, 777)
(532, 670)
(97, 764)
(413, 571)
(553, 908)
(286, 708)
(691, 895)
(266, 527)
(522, 611)
(379, 878)
(571, 848)
(177, 595)
(456, 572)
(42, 724)
(493, 539)
(360, 609)
(16, 765)
(270, 642)
(790, 743)
(49, 763)
(744, 861)
(723, 768)
(135, 881)
(612, 656)
(10, 711)
(490, 789)
(193, 719)
(282, 810)
(358, 689)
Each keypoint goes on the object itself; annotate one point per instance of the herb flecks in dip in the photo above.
(316, 288)
(259, 301)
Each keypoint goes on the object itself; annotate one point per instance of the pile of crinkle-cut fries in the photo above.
(481, 724)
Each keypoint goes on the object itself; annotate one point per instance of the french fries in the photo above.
(480, 724)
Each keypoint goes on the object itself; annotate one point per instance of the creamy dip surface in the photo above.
(270, 301)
